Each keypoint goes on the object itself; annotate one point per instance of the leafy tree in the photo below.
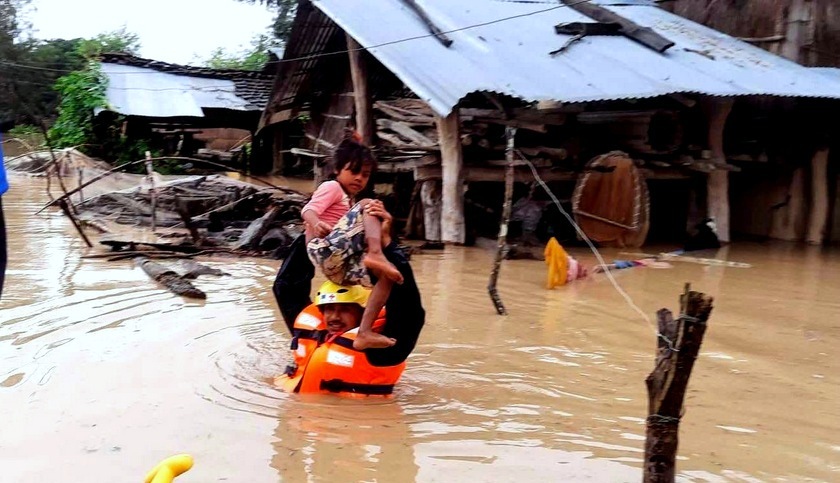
(82, 92)
(286, 10)
(253, 59)
(117, 41)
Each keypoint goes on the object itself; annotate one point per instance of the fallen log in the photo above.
(194, 269)
(251, 237)
(170, 279)
(678, 343)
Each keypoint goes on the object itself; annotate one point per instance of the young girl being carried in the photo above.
(345, 240)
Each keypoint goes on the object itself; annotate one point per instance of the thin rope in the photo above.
(325, 54)
(597, 254)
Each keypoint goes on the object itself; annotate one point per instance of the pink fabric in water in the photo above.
(329, 202)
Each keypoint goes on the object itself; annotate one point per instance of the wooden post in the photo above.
(798, 30)
(452, 161)
(364, 107)
(718, 182)
(152, 194)
(430, 196)
(510, 134)
(678, 345)
(81, 172)
(818, 217)
(62, 203)
(788, 221)
(277, 152)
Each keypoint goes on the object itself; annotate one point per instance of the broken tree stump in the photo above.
(679, 343)
(170, 279)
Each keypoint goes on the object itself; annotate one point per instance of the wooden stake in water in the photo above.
(152, 195)
(678, 345)
(510, 134)
(81, 172)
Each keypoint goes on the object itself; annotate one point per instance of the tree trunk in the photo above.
(678, 345)
(452, 160)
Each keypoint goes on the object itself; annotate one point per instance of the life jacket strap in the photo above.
(337, 385)
(316, 335)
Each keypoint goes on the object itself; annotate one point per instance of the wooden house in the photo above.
(432, 84)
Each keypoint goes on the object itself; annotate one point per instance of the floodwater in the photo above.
(103, 374)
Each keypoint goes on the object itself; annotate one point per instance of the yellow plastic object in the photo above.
(558, 264)
(168, 469)
(333, 293)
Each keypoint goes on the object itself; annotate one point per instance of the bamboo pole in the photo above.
(679, 343)
(74, 221)
(510, 134)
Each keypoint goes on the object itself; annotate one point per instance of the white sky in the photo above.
(177, 31)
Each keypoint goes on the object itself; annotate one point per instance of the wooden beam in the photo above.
(434, 29)
(818, 218)
(480, 174)
(644, 35)
(364, 107)
(406, 131)
(452, 160)
(718, 110)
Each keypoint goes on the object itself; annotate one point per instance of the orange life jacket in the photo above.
(331, 365)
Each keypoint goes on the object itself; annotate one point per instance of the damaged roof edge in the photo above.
(512, 57)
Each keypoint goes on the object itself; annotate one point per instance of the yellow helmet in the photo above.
(333, 293)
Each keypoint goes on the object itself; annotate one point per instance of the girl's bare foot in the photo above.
(378, 264)
(372, 340)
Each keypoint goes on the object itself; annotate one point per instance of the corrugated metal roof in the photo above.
(137, 91)
(512, 57)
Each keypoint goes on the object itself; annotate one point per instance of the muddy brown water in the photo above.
(103, 374)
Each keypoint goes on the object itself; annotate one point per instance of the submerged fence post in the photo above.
(678, 345)
(510, 134)
(152, 195)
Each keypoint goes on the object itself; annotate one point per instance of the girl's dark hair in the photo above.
(353, 155)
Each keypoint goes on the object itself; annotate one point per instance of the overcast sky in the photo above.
(177, 31)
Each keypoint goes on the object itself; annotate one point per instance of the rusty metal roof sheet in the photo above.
(143, 87)
(512, 57)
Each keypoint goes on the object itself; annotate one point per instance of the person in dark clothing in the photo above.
(4, 185)
(404, 320)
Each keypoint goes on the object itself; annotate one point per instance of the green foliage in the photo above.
(252, 59)
(286, 10)
(23, 130)
(81, 93)
(117, 41)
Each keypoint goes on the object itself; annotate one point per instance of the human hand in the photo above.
(322, 229)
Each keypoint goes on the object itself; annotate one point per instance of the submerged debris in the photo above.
(220, 214)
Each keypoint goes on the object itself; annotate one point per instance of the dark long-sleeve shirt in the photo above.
(404, 313)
